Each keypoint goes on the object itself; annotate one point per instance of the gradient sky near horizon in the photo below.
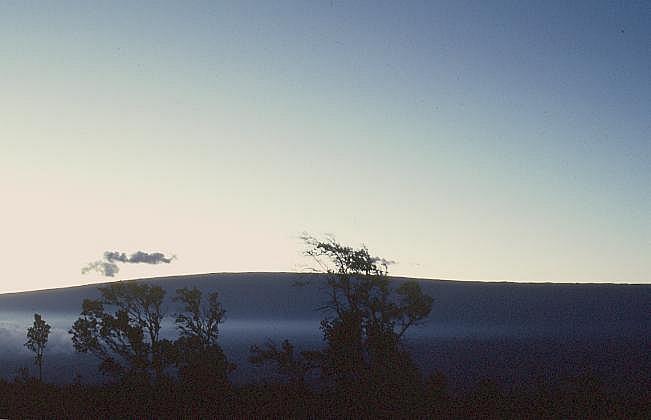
(505, 140)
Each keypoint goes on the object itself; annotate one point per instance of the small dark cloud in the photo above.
(114, 256)
(108, 266)
(137, 257)
(153, 258)
(107, 269)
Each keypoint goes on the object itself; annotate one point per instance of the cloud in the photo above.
(107, 269)
(108, 266)
(138, 257)
(114, 256)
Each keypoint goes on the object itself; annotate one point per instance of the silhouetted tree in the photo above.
(203, 366)
(199, 320)
(37, 336)
(365, 317)
(365, 322)
(122, 328)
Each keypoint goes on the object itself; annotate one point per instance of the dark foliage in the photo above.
(364, 363)
(575, 397)
(123, 330)
(202, 364)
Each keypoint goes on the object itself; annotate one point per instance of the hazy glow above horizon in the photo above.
(471, 141)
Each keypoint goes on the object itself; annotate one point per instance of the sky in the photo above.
(505, 140)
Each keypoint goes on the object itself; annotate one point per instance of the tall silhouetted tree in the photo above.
(203, 366)
(366, 319)
(37, 336)
(122, 328)
(364, 324)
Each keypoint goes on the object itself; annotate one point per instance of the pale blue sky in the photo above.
(465, 140)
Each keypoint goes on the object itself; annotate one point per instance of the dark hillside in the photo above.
(504, 330)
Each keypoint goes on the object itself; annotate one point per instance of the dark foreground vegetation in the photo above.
(577, 398)
(362, 370)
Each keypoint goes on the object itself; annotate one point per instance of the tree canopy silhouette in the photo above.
(363, 327)
(37, 336)
(122, 328)
(201, 361)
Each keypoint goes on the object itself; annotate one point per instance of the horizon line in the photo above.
(322, 273)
